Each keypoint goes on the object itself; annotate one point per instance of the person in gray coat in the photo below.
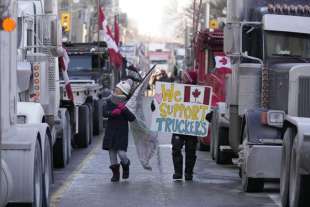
(116, 134)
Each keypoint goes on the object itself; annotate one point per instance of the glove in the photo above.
(209, 116)
(121, 106)
(116, 112)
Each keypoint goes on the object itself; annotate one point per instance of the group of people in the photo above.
(116, 135)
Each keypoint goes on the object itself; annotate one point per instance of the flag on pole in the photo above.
(222, 62)
(145, 140)
(64, 61)
(116, 31)
(106, 34)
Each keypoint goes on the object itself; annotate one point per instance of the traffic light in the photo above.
(213, 24)
(66, 21)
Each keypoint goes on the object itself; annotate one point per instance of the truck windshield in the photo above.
(287, 44)
(80, 62)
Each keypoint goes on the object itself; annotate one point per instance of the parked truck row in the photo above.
(42, 115)
(263, 117)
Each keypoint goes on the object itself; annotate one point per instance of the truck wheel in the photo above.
(299, 184)
(82, 138)
(63, 141)
(60, 152)
(48, 171)
(222, 157)
(251, 185)
(91, 124)
(69, 136)
(285, 167)
(204, 147)
(97, 117)
(213, 126)
(37, 177)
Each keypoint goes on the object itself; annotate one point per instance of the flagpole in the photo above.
(98, 23)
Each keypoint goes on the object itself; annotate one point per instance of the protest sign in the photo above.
(181, 109)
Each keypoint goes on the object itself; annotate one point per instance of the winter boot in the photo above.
(189, 167)
(178, 165)
(126, 169)
(115, 171)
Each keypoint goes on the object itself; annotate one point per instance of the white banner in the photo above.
(181, 109)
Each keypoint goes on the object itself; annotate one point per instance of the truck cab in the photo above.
(267, 102)
(89, 62)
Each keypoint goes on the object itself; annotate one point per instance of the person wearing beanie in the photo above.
(179, 140)
(116, 135)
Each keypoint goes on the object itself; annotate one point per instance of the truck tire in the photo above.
(48, 172)
(204, 147)
(90, 123)
(214, 128)
(69, 137)
(60, 153)
(82, 138)
(251, 185)
(97, 117)
(298, 184)
(222, 157)
(285, 167)
(62, 146)
(37, 177)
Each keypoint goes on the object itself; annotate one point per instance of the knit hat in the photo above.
(125, 86)
(190, 76)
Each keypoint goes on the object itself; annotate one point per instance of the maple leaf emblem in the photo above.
(196, 94)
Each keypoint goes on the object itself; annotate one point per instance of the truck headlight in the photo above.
(275, 118)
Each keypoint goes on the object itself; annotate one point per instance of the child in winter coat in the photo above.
(116, 134)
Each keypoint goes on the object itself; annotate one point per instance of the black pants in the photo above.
(190, 142)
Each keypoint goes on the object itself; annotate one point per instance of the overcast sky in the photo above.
(149, 14)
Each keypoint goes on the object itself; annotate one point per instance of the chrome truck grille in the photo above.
(304, 97)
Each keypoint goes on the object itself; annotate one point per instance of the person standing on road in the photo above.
(179, 140)
(116, 134)
(190, 142)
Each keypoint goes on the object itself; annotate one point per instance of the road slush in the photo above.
(181, 109)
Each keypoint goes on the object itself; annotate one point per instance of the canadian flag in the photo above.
(201, 95)
(106, 34)
(222, 62)
(64, 65)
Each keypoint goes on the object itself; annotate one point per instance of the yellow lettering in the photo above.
(178, 111)
(188, 112)
(195, 112)
(204, 109)
(167, 94)
(177, 96)
(163, 110)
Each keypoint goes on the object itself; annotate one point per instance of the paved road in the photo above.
(86, 182)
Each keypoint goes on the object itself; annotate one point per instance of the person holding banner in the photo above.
(190, 142)
(180, 140)
(116, 134)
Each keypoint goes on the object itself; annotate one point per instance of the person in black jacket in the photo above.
(116, 134)
(180, 140)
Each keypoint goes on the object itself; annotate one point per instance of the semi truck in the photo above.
(39, 40)
(25, 149)
(267, 100)
(212, 66)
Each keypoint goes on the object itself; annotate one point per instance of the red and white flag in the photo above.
(116, 31)
(197, 94)
(106, 34)
(64, 65)
(222, 62)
